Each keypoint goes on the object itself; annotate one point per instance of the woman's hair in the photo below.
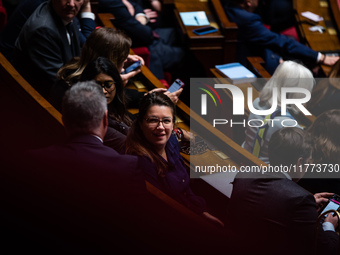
(325, 85)
(136, 143)
(117, 108)
(287, 74)
(325, 132)
(102, 42)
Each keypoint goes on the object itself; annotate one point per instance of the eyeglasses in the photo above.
(154, 121)
(107, 85)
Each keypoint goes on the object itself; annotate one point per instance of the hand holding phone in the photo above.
(133, 67)
(176, 85)
(333, 203)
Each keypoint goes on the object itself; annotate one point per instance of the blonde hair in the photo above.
(287, 74)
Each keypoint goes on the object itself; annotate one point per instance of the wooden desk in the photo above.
(208, 49)
(327, 41)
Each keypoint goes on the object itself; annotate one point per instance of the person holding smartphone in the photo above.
(272, 212)
(102, 42)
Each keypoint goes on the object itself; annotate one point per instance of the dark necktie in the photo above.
(70, 30)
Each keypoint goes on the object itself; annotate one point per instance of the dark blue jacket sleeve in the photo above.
(138, 7)
(252, 31)
(86, 27)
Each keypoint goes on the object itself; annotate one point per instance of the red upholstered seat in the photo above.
(291, 32)
(144, 53)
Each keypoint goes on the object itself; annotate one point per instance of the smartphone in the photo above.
(333, 203)
(205, 30)
(133, 67)
(176, 85)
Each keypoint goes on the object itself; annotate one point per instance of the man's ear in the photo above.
(300, 170)
(299, 162)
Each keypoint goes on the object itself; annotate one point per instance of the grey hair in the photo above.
(84, 106)
(287, 74)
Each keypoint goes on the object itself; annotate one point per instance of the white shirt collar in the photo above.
(287, 175)
(98, 138)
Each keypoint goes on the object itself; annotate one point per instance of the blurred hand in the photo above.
(332, 219)
(130, 60)
(321, 199)
(330, 60)
(156, 5)
(173, 96)
(133, 58)
(126, 77)
(152, 15)
(142, 19)
(129, 6)
(156, 90)
(86, 7)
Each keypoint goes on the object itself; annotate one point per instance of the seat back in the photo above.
(229, 31)
(28, 120)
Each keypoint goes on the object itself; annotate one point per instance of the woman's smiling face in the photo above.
(157, 125)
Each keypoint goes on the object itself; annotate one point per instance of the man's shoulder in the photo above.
(42, 19)
(84, 152)
(276, 182)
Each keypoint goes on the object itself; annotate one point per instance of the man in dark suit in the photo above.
(85, 119)
(82, 190)
(49, 39)
(271, 212)
(21, 14)
(255, 39)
